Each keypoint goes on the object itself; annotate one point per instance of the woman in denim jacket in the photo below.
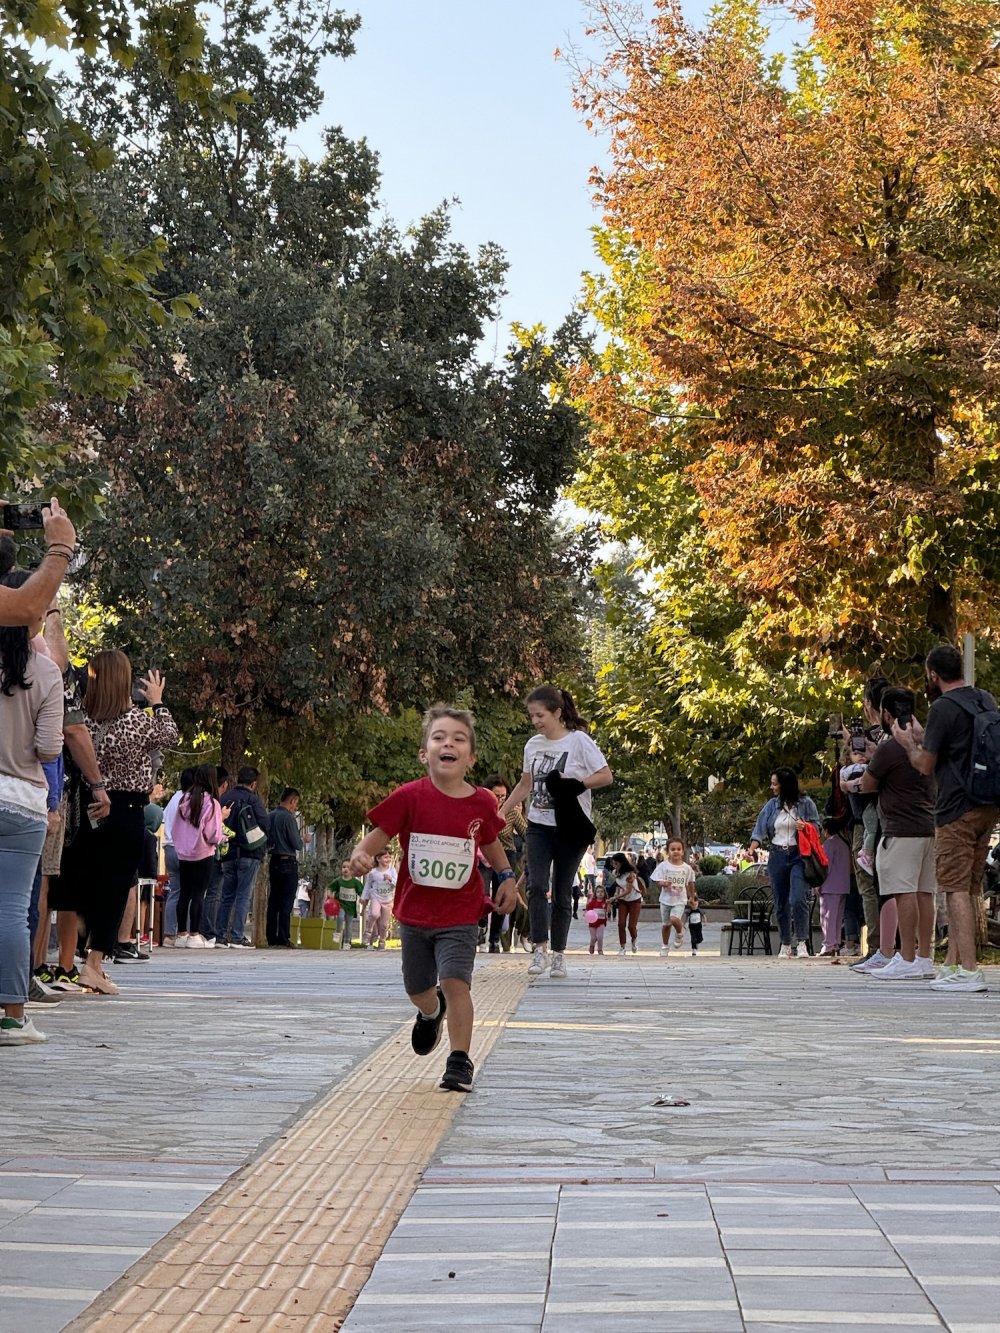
(778, 825)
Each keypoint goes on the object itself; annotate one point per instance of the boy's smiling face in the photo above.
(448, 752)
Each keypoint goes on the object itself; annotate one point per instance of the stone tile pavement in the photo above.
(837, 1163)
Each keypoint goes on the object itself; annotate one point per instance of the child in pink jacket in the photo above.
(197, 833)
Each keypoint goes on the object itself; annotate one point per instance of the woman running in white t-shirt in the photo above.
(562, 766)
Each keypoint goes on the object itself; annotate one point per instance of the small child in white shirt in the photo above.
(676, 880)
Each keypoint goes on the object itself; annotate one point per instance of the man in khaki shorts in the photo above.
(904, 858)
(963, 827)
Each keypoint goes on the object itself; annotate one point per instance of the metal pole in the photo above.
(969, 658)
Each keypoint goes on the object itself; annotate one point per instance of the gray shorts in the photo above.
(445, 953)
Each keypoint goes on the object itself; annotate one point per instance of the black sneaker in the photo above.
(458, 1073)
(67, 979)
(45, 974)
(128, 953)
(427, 1031)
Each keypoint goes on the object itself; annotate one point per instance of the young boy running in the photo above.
(441, 821)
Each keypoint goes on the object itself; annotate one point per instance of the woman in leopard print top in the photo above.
(101, 865)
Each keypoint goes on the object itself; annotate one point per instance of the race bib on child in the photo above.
(435, 862)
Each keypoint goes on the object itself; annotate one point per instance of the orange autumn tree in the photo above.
(803, 303)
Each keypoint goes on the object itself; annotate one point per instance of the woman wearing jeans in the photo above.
(31, 710)
(562, 766)
(778, 824)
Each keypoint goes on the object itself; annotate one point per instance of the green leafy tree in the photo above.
(74, 302)
(322, 502)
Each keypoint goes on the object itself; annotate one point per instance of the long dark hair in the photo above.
(15, 645)
(788, 786)
(559, 701)
(203, 783)
(622, 864)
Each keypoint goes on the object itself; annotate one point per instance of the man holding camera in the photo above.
(905, 853)
(962, 825)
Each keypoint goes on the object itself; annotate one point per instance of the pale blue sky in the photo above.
(463, 98)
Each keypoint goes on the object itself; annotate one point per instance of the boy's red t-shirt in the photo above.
(439, 882)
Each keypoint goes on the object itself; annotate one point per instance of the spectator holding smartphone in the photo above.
(27, 604)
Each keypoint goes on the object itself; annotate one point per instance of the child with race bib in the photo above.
(676, 880)
(377, 894)
(441, 822)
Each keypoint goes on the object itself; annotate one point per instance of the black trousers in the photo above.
(283, 881)
(101, 865)
(194, 877)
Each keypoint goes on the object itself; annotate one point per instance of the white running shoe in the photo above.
(182, 941)
(872, 963)
(621, 952)
(635, 948)
(785, 951)
(20, 1032)
(927, 969)
(539, 962)
(664, 950)
(960, 981)
(802, 950)
(196, 941)
(557, 968)
(898, 969)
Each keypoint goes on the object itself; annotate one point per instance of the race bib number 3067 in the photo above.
(435, 862)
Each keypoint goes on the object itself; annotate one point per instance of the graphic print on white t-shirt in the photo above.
(541, 765)
(574, 755)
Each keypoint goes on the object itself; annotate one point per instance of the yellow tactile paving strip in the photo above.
(291, 1239)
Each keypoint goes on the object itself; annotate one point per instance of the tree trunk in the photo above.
(675, 818)
(941, 615)
(234, 743)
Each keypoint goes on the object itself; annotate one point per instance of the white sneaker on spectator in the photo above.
(927, 969)
(802, 950)
(181, 941)
(898, 969)
(558, 967)
(960, 980)
(539, 962)
(785, 951)
(20, 1032)
(872, 963)
(196, 941)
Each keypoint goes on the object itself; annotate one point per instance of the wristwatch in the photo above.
(504, 875)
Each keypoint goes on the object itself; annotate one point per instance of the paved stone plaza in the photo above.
(222, 1137)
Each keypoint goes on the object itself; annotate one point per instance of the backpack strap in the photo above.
(971, 707)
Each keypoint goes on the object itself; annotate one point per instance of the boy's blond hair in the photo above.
(437, 711)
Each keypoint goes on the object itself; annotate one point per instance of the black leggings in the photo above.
(194, 877)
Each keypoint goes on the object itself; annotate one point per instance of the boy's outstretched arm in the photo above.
(506, 899)
(363, 856)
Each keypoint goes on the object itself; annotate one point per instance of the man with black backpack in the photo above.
(961, 747)
(250, 823)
